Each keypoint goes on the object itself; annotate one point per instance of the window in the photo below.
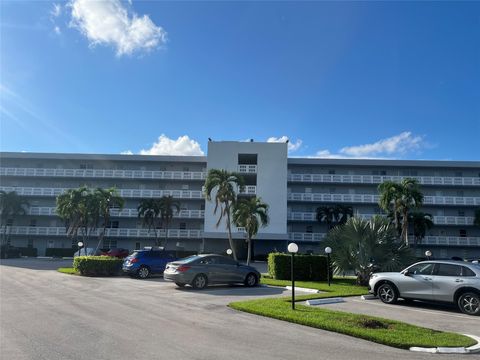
(9, 222)
(185, 187)
(463, 233)
(461, 213)
(113, 224)
(109, 244)
(186, 169)
(458, 174)
(86, 166)
(309, 229)
(137, 246)
(331, 172)
(332, 190)
(448, 270)
(421, 269)
(460, 193)
(30, 243)
(33, 222)
(383, 172)
(308, 190)
(202, 206)
(183, 226)
(467, 272)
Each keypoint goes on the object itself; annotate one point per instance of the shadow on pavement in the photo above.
(36, 264)
(235, 290)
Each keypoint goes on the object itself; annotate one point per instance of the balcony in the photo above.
(449, 241)
(104, 173)
(373, 199)
(377, 179)
(248, 190)
(126, 193)
(247, 169)
(60, 231)
(297, 236)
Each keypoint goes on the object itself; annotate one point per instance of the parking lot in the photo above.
(48, 315)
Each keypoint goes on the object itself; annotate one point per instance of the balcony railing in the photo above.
(247, 169)
(104, 173)
(126, 193)
(248, 190)
(366, 198)
(449, 241)
(60, 231)
(377, 179)
(297, 236)
(188, 214)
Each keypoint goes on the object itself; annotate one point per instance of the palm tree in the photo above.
(251, 214)
(149, 211)
(167, 207)
(223, 185)
(334, 215)
(421, 223)
(106, 200)
(11, 206)
(400, 198)
(360, 245)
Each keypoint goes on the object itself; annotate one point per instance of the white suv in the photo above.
(447, 281)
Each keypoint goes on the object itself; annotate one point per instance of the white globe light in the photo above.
(428, 253)
(328, 250)
(80, 244)
(229, 251)
(292, 248)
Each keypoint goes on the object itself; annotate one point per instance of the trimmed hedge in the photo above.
(307, 267)
(60, 252)
(97, 265)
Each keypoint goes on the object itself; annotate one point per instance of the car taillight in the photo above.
(183, 268)
(134, 260)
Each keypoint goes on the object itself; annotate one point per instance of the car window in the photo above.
(467, 272)
(448, 270)
(421, 269)
(208, 261)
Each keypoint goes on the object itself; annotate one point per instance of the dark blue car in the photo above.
(143, 263)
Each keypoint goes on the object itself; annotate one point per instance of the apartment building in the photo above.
(293, 187)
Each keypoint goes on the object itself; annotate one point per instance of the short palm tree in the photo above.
(421, 223)
(149, 212)
(333, 215)
(168, 207)
(11, 206)
(400, 198)
(362, 245)
(222, 185)
(250, 214)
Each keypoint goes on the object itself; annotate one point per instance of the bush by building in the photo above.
(97, 265)
(306, 267)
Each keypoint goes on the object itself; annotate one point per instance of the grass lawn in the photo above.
(382, 331)
(67, 270)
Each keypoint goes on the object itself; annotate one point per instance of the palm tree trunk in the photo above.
(405, 228)
(249, 250)
(229, 228)
(166, 235)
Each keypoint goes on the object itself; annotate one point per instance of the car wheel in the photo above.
(251, 280)
(143, 272)
(387, 293)
(469, 303)
(180, 284)
(200, 281)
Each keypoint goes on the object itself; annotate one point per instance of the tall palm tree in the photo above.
(401, 198)
(167, 207)
(251, 214)
(149, 212)
(11, 206)
(223, 184)
(106, 200)
(361, 245)
(421, 223)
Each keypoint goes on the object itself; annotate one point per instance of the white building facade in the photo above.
(292, 187)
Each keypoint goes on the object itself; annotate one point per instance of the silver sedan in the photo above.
(202, 270)
(446, 281)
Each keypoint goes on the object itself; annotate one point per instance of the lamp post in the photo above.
(328, 251)
(293, 249)
(229, 251)
(80, 244)
(428, 254)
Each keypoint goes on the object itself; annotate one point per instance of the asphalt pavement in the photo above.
(52, 316)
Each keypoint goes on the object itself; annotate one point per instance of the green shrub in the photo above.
(60, 252)
(97, 265)
(307, 267)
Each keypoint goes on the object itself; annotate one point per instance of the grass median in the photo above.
(68, 270)
(379, 330)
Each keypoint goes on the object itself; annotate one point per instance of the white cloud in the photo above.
(292, 146)
(181, 146)
(398, 144)
(57, 30)
(109, 22)
(127, 152)
(56, 10)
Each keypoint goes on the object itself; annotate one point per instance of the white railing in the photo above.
(449, 241)
(377, 179)
(297, 236)
(60, 231)
(366, 198)
(248, 190)
(104, 173)
(126, 193)
(247, 169)
(50, 211)
(438, 220)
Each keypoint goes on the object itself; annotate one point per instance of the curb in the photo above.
(307, 290)
(324, 301)
(451, 350)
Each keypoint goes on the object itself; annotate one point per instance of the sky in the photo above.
(393, 80)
